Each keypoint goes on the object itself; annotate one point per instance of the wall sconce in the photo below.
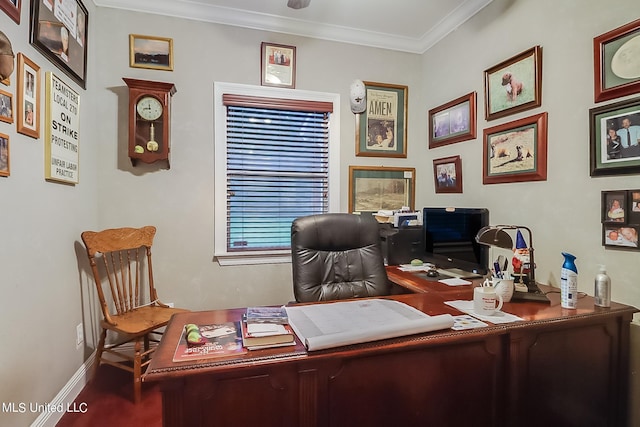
(494, 235)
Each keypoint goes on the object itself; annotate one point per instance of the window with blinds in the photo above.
(277, 170)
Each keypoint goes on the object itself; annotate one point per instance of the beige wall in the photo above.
(41, 222)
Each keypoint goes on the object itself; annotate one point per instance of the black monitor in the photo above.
(449, 236)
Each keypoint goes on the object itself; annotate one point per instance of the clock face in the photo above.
(149, 108)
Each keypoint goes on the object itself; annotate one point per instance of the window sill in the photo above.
(253, 258)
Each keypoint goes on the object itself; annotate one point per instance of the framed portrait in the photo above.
(447, 174)
(514, 85)
(151, 52)
(61, 140)
(5, 169)
(28, 102)
(615, 138)
(625, 236)
(616, 62)
(614, 207)
(278, 65)
(381, 130)
(374, 188)
(453, 122)
(516, 151)
(6, 107)
(59, 31)
(12, 8)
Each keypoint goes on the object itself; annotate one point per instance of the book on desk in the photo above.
(218, 340)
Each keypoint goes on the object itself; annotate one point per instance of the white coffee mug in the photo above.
(504, 288)
(485, 299)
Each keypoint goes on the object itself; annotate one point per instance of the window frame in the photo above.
(222, 255)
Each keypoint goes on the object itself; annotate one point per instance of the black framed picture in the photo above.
(620, 236)
(614, 205)
(633, 202)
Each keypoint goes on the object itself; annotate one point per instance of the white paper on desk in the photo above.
(454, 282)
(327, 325)
(497, 317)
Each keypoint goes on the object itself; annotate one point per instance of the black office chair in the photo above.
(337, 256)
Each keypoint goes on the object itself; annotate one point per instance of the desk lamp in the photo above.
(494, 235)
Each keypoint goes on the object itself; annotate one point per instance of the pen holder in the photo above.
(504, 288)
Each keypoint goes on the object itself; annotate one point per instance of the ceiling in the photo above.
(404, 25)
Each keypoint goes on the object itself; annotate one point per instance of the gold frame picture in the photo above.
(5, 159)
(28, 104)
(372, 188)
(155, 53)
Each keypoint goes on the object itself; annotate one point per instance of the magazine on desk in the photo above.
(322, 326)
(220, 340)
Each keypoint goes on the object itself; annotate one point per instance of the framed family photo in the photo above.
(381, 130)
(59, 31)
(277, 65)
(616, 62)
(12, 8)
(4, 155)
(634, 203)
(514, 85)
(620, 236)
(28, 102)
(516, 151)
(381, 188)
(614, 205)
(615, 138)
(6, 106)
(453, 122)
(447, 174)
(155, 53)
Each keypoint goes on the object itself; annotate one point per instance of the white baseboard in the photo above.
(67, 395)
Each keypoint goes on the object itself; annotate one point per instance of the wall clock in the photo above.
(149, 120)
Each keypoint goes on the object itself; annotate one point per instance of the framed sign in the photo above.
(516, 151)
(59, 31)
(616, 62)
(381, 188)
(62, 134)
(453, 122)
(151, 52)
(514, 85)
(28, 105)
(4, 155)
(278, 65)
(12, 8)
(615, 138)
(381, 130)
(447, 174)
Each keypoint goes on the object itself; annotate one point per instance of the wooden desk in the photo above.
(558, 367)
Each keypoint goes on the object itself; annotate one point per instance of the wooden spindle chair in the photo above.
(120, 259)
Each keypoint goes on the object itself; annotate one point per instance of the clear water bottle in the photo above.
(602, 291)
(569, 282)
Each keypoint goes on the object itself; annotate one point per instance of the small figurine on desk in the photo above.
(520, 260)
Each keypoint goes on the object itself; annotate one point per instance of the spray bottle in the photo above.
(602, 290)
(569, 282)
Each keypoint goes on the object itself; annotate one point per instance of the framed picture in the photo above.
(12, 8)
(516, 151)
(4, 155)
(278, 65)
(151, 52)
(447, 174)
(453, 122)
(61, 140)
(514, 85)
(6, 107)
(614, 205)
(59, 31)
(28, 103)
(616, 62)
(381, 130)
(620, 236)
(374, 188)
(633, 201)
(615, 138)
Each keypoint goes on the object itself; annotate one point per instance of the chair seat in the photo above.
(141, 320)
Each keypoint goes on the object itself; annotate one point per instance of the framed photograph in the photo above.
(28, 103)
(447, 174)
(61, 140)
(614, 205)
(381, 188)
(633, 201)
(59, 31)
(615, 138)
(516, 151)
(278, 65)
(453, 122)
(616, 62)
(620, 236)
(6, 107)
(12, 8)
(514, 85)
(381, 130)
(151, 52)
(4, 155)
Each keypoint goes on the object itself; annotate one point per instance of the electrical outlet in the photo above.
(79, 335)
